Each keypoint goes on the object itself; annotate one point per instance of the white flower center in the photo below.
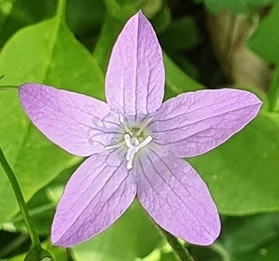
(134, 148)
(134, 140)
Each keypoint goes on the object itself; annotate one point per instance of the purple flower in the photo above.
(136, 144)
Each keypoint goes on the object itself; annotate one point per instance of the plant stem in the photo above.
(221, 251)
(10, 248)
(23, 207)
(181, 253)
(61, 10)
(8, 87)
(273, 92)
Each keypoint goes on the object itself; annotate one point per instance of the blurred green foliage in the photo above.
(69, 47)
(235, 6)
(265, 42)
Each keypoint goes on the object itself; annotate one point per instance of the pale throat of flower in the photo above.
(134, 140)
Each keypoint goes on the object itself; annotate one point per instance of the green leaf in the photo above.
(244, 239)
(242, 174)
(42, 205)
(247, 162)
(177, 81)
(38, 254)
(268, 251)
(181, 35)
(133, 235)
(41, 211)
(160, 18)
(252, 238)
(114, 21)
(267, 34)
(44, 53)
(247, 234)
(118, 13)
(58, 253)
(273, 91)
(168, 257)
(17, 14)
(84, 17)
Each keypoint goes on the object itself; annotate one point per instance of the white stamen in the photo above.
(114, 146)
(131, 141)
(121, 120)
(127, 139)
(133, 149)
(145, 123)
(130, 159)
(144, 143)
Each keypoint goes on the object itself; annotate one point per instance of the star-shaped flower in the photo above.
(136, 144)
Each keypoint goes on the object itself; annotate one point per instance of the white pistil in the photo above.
(121, 120)
(114, 146)
(131, 140)
(133, 149)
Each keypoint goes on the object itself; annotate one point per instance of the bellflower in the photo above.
(135, 144)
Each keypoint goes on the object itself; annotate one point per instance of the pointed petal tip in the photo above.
(244, 95)
(96, 195)
(56, 237)
(68, 119)
(23, 88)
(196, 122)
(177, 199)
(206, 238)
(253, 102)
(258, 102)
(61, 237)
(135, 77)
(209, 236)
(140, 14)
(57, 240)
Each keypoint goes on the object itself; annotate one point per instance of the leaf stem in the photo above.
(115, 18)
(221, 251)
(8, 87)
(61, 10)
(23, 207)
(273, 92)
(181, 252)
(12, 246)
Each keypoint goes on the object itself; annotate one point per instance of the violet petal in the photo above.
(76, 122)
(177, 199)
(196, 122)
(135, 75)
(96, 195)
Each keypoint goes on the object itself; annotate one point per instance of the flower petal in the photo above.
(135, 75)
(196, 122)
(78, 123)
(96, 195)
(177, 199)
